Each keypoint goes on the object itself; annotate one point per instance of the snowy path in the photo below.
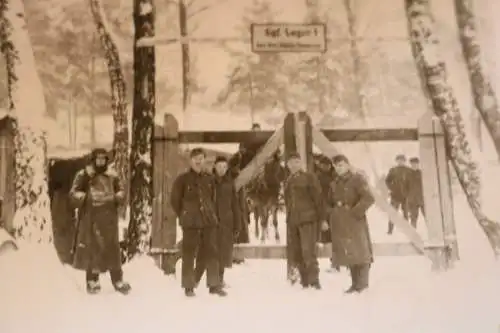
(404, 297)
(38, 295)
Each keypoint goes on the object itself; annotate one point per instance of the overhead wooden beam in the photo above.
(249, 251)
(353, 135)
(252, 169)
(403, 225)
(165, 40)
(334, 135)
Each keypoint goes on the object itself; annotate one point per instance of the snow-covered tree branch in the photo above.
(425, 47)
(118, 91)
(485, 99)
(32, 220)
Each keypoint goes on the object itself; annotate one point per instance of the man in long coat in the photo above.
(305, 211)
(229, 213)
(349, 199)
(193, 200)
(97, 193)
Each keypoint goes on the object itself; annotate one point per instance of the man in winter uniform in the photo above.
(97, 192)
(193, 200)
(305, 210)
(416, 192)
(349, 199)
(228, 212)
(397, 182)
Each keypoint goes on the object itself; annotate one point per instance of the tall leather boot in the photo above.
(362, 279)
(354, 271)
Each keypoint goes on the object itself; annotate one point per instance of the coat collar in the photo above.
(110, 172)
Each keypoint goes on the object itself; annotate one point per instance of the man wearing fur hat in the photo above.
(97, 193)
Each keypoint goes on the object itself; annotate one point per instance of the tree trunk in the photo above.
(185, 55)
(484, 97)
(359, 97)
(425, 47)
(141, 159)
(32, 220)
(118, 93)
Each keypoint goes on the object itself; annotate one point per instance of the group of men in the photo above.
(406, 189)
(211, 214)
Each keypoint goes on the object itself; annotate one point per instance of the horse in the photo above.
(263, 196)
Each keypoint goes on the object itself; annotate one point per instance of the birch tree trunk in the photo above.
(484, 97)
(425, 48)
(32, 219)
(118, 93)
(141, 186)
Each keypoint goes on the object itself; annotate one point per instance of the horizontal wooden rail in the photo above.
(249, 251)
(166, 40)
(338, 135)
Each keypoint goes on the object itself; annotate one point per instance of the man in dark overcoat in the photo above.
(415, 192)
(97, 193)
(305, 211)
(349, 199)
(397, 182)
(229, 214)
(193, 200)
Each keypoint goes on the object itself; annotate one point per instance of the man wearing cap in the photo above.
(416, 192)
(349, 199)
(193, 200)
(304, 211)
(397, 182)
(229, 214)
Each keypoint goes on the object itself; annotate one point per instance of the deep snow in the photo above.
(37, 294)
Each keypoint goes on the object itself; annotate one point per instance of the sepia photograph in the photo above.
(242, 166)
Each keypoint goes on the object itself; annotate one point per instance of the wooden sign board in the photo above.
(288, 37)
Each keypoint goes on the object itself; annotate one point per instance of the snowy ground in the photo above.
(37, 294)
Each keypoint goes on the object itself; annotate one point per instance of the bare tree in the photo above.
(425, 48)
(118, 92)
(32, 220)
(485, 99)
(141, 185)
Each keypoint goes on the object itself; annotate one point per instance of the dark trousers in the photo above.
(398, 204)
(413, 212)
(360, 275)
(116, 275)
(302, 240)
(195, 241)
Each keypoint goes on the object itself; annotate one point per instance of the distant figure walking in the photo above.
(397, 182)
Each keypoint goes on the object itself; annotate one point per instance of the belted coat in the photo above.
(349, 199)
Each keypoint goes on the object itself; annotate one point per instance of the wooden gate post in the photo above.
(290, 147)
(164, 229)
(437, 192)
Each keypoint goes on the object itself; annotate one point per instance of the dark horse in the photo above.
(264, 199)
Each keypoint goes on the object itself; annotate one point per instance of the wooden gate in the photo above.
(297, 134)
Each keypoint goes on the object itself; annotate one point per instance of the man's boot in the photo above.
(363, 278)
(122, 287)
(189, 292)
(93, 284)
(353, 270)
(219, 291)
